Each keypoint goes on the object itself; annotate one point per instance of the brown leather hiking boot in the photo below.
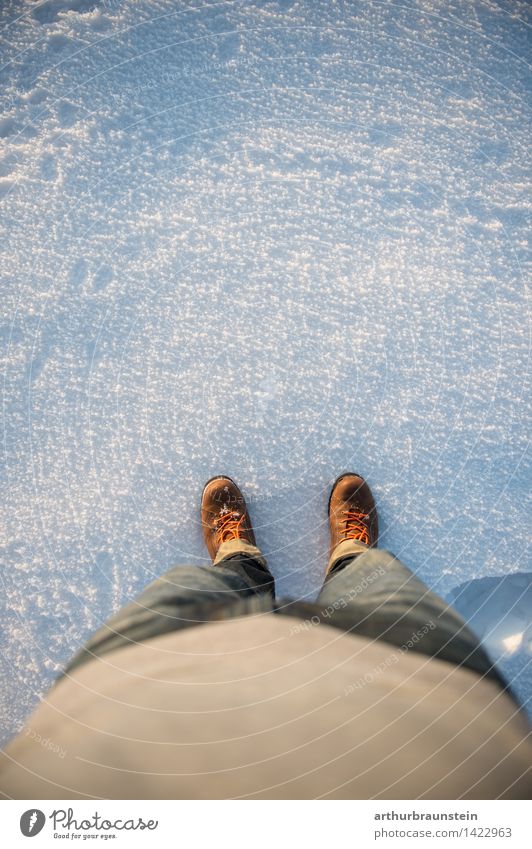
(352, 511)
(224, 514)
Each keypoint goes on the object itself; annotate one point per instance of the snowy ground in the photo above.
(274, 239)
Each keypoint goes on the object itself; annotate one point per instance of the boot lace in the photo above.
(228, 526)
(356, 526)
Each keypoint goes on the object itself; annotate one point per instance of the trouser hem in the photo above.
(346, 550)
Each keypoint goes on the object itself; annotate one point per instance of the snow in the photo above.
(276, 240)
(499, 610)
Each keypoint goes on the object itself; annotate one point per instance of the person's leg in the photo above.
(371, 593)
(189, 595)
(182, 597)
